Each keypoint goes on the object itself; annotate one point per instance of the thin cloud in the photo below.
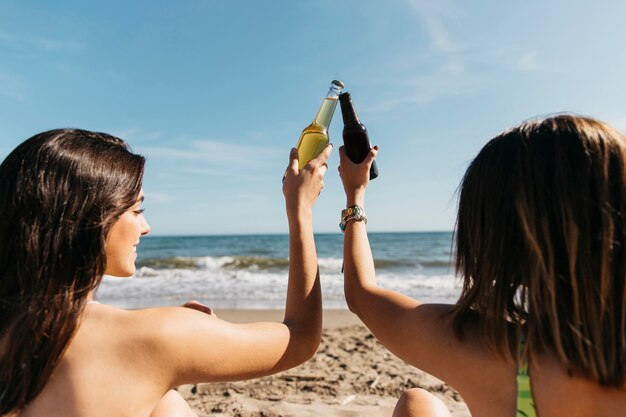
(137, 135)
(447, 66)
(421, 75)
(158, 198)
(216, 153)
(528, 62)
(432, 14)
(448, 79)
(13, 86)
(37, 43)
(221, 172)
(440, 38)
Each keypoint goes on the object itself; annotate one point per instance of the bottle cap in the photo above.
(337, 82)
(345, 97)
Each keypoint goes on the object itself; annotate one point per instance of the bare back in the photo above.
(489, 387)
(104, 371)
(486, 382)
(123, 362)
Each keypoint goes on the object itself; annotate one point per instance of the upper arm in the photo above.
(190, 346)
(422, 335)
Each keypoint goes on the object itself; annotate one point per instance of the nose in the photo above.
(145, 227)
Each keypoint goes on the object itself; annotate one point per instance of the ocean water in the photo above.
(251, 271)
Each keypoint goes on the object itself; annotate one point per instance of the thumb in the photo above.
(371, 155)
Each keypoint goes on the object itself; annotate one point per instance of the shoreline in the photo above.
(351, 374)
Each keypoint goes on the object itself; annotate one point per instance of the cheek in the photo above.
(125, 232)
(129, 234)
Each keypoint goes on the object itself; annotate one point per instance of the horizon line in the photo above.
(285, 234)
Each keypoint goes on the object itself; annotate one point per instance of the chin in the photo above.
(122, 273)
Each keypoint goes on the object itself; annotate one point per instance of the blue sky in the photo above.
(215, 93)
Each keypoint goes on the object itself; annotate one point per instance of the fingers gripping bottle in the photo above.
(355, 138)
(314, 137)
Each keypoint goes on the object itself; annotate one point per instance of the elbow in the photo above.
(354, 299)
(304, 344)
(310, 344)
(310, 348)
(351, 302)
(302, 351)
(360, 298)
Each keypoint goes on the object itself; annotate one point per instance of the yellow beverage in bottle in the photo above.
(314, 137)
(310, 145)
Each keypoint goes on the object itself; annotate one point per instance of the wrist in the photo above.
(355, 198)
(354, 213)
(299, 212)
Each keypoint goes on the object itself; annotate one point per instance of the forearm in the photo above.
(303, 310)
(383, 311)
(359, 272)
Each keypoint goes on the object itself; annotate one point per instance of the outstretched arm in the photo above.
(192, 346)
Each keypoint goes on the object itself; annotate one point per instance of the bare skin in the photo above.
(172, 405)
(125, 363)
(417, 333)
(416, 402)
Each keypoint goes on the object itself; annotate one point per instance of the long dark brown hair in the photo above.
(541, 244)
(60, 193)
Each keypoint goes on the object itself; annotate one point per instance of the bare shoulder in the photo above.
(141, 325)
(427, 341)
(121, 326)
(116, 360)
(148, 342)
(144, 333)
(184, 345)
(126, 336)
(423, 334)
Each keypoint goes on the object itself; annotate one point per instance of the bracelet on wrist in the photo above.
(355, 212)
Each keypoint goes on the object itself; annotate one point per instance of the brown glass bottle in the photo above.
(355, 138)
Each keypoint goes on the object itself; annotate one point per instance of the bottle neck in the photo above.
(347, 109)
(325, 114)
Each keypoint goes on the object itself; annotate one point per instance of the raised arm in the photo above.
(379, 309)
(414, 331)
(191, 346)
(303, 309)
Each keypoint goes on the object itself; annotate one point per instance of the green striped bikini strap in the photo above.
(525, 402)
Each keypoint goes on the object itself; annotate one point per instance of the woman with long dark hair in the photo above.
(70, 212)
(540, 326)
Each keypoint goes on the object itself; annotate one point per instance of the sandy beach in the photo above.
(352, 374)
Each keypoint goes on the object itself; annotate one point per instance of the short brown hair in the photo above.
(541, 244)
